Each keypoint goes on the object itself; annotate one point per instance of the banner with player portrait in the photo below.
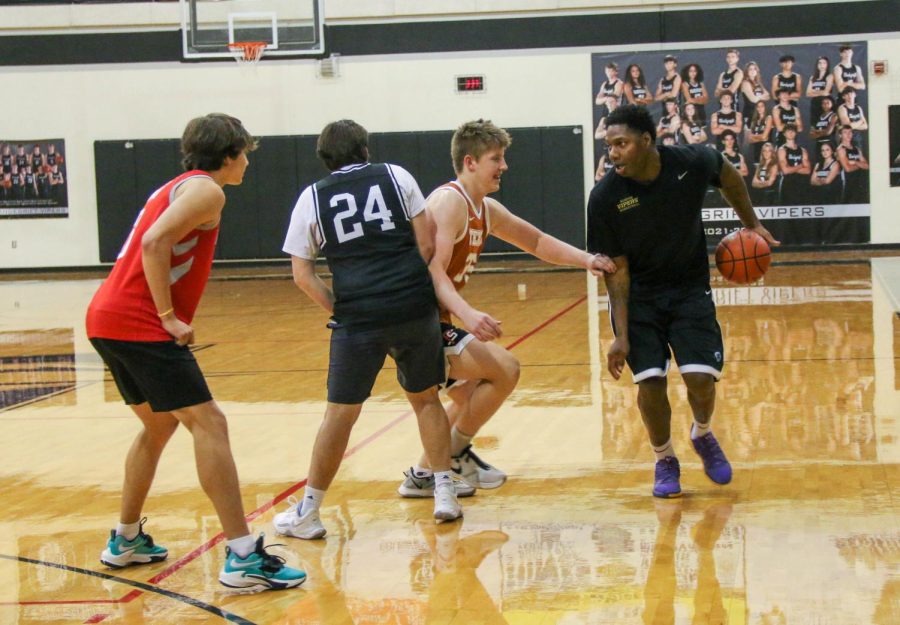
(33, 179)
(894, 142)
(792, 119)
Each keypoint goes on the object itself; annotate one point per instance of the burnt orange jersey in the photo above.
(467, 247)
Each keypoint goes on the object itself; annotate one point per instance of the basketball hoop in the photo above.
(247, 51)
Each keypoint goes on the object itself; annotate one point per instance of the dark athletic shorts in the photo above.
(357, 357)
(683, 319)
(159, 372)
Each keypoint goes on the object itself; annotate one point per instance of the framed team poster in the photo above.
(33, 181)
(894, 143)
(792, 119)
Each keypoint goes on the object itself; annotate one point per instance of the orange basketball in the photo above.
(743, 256)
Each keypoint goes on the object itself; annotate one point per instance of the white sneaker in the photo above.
(476, 472)
(290, 523)
(446, 507)
(423, 487)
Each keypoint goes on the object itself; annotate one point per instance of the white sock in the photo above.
(312, 499)
(458, 441)
(420, 471)
(699, 429)
(441, 477)
(129, 531)
(243, 546)
(664, 451)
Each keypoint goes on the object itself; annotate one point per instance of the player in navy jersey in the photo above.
(819, 87)
(669, 86)
(851, 114)
(646, 215)
(793, 161)
(846, 74)
(785, 113)
(369, 221)
(787, 79)
(693, 91)
(730, 80)
(855, 166)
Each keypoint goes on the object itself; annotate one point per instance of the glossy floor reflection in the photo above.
(808, 411)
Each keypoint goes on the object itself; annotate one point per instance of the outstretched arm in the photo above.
(526, 237)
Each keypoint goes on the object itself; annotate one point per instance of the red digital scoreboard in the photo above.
(470, 84)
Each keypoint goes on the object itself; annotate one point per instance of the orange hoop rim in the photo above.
(247, 51)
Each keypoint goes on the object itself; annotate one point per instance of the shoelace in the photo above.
(711, 446)
(471, 454)
(271, 563)
(147, 538)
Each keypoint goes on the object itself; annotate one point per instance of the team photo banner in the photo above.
(33, 181)
(793, 120)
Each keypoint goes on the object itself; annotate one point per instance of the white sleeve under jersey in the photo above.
(304, 236)
(411, 195)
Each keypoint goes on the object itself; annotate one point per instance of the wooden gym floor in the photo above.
(808, 412)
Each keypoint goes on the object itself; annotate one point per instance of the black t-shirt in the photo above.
(658, 227)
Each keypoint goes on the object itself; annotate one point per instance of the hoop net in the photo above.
(247, 51)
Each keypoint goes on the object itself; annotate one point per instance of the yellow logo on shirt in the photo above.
(627, 204)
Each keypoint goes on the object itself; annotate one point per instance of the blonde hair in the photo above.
(474, 139)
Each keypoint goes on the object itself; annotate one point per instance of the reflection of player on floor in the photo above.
(382, 303)
(139, 322)
(659, 591)
(485, 373)
(646, 215)
(455, 588)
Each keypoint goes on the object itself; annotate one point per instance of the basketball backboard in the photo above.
(288, 27)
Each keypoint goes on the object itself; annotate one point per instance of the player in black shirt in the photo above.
(646, 215)
(369, 221)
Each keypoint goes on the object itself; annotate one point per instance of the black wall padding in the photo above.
(544, 185)
(509, 33)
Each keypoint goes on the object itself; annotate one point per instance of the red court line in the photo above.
(188, 558)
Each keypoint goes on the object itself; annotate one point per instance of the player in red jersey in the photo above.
(140, 323)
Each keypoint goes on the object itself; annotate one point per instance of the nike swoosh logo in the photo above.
(682, 175)
(244, 565)
(708, 292)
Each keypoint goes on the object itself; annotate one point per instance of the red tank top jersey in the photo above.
(467, 248)
(123, 307)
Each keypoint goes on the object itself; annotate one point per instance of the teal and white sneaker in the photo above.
(121, 552)
(259, 571)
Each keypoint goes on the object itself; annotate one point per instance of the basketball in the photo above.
(743, 256)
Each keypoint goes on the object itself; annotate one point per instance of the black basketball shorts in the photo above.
(162, 373)
(357, 357)
(683, 319)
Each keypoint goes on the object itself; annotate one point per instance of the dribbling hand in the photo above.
(761, 231)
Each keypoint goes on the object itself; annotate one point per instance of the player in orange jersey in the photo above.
(482, 373)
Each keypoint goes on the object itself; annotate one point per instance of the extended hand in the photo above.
(482, 326)
(600, 264)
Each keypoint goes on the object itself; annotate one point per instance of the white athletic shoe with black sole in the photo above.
(414, 487)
